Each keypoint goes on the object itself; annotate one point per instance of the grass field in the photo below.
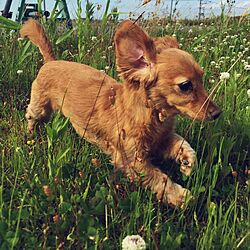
(59, 192)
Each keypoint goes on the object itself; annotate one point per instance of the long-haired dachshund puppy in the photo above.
(133, 121)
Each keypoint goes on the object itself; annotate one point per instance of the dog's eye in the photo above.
(186, 86)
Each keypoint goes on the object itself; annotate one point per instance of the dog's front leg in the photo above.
(166, 190)
(180, 150)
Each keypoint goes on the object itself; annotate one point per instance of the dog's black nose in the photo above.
(216, 113)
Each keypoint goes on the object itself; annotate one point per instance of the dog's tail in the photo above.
(35, 32)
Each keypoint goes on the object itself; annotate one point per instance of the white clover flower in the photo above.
(102, 71)
(202, 40)
(93, 38)
(104, 57)
(247, 67)
(110, 47)
(246, 49)
(231, 47)
(107, 67)
(238, 75)
(244, 40)
(180, 45)
(19, 72)
(224, 76)
(174, 35)
(212, 63)
(133, 242)
(241, 47)
(248, 93)
(20, 39)
(201, 24)
(195, 38)
(190, 31)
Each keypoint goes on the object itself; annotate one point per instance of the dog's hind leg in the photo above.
(39, 109)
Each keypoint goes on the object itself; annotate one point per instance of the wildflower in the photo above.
(19, 72)
(133, 242)
(107, 67)
(94, 38)
(96, 162)
(20, 39)
(47, 190)
(103, 57)
(56, 218)
(30, 153)
(81, 174)
(56, 180)
(238, 75)
(247, 171)
(174, 35)
(212, 63)
(246, 49)
(190, 31)
(18, 149)
(248, 93)
(30, 142)
(101, 70)
(247, 67)
(241, 47)
(110, 47)
(234, 173)
(224, 76)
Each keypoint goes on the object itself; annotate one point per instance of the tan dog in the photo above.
(132, 121)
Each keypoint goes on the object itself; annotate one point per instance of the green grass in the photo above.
(51, 194)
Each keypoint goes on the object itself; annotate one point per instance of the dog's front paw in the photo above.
(178, 196)
(187, 159)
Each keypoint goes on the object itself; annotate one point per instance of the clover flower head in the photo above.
(224, 76)
(133, 242)
(247, 67)
(248, 93)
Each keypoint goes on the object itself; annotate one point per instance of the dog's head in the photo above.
(170, 75)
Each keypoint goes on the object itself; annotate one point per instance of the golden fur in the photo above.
(133, 121)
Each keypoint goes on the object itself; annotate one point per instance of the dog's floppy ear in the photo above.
(166, 42)
(135, 54)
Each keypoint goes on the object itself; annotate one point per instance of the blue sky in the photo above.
(185, 8)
